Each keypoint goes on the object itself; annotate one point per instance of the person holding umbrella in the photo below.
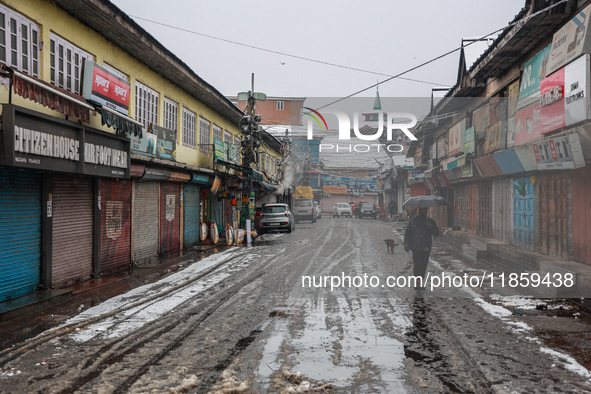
(419, 232)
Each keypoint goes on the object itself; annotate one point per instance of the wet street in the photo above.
(325, 308)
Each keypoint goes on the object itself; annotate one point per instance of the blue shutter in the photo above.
(20, 233)
(191, 215)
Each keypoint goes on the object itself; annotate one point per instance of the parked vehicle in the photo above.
(342, 209)
(276, 217)
(318, 210)
(368, 209)
(356, 206)
(303, 209)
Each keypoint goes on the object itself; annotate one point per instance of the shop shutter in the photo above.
(20, 233)
(554, 229)
(502, 205)
(170, 218)
(192, 194)
(524, 213)
(115, 225)
(145, 222)
(485, 209)
(461, 208)
(581, 201)
(72, 229)
(472, 208)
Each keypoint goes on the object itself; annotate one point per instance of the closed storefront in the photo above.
(418, 189)
(484, 227)
(72, 229)
(170, 217)
(217, 208)
(145, 222)
(115, 225)
(191, 208)
(502, 208)
(461, 207)
(554, 190)
(472, 208)
(524, 213)
(20, 233)
(581, 203)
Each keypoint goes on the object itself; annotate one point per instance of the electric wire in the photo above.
(308, 59)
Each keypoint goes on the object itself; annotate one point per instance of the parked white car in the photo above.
(342, 208)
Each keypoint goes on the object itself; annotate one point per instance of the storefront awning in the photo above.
(179, 177)
(201, 179)
(56, 98)
(119, 122)
(155, 174)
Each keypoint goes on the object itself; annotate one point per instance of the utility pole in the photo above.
(251, 141)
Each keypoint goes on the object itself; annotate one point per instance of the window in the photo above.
(227, 137)
(19, 42)
(171, 116)
(204, 138)
(189, 128)
(217, 132)
(116, 72)
(237, 150)
(263, 161)
(279, 105)
(146, 105)
(66, 62)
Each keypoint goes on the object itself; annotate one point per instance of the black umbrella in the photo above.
(425, 202)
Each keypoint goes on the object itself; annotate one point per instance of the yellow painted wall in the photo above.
(53, 19)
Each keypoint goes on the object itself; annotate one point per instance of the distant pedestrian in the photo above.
(418, 238)
(392, 208)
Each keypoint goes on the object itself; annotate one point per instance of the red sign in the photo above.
(527, 124)
(105, 88)
(552, 114)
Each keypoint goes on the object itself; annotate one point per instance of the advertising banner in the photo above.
(166, 147)
(456, 138)
(102, 87)
(559, 153)
(576, 90)
(552, 102)
(333, 189)
(480, 121)
(527, 124)
(571, 41)
(533, 72)
(219, 150)
(146, 145)
(469, 140)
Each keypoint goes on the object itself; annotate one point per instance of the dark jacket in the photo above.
(419, 232)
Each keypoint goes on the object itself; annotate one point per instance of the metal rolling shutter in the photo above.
(581, 208)
(145, 222)
(472, 208)
(115, 225)
(20, 233)
(72, 229)
(502, 218)
(170, 218)
(461, 207)
(484, 228)
(554, 213)
(191, 196)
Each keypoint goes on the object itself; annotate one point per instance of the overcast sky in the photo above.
(382, 36)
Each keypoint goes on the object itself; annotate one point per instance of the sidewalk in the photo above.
(116, 283)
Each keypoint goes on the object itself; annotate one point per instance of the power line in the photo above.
(282, 53)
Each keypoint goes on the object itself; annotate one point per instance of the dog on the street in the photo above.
(390, 244)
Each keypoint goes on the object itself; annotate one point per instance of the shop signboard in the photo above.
(559, 153)
(145, 145)
(527, 124)
(166, 146)
(219, 150)
(533, 72)
(480, 121)
(469, 140)
(334, 189)
(101, 86)
(564, 96)
(34, 140)
(456, 137)
(571, 41)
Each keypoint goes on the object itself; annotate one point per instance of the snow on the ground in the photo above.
(135, 317)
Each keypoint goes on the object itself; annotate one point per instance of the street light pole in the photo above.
(249, 126)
